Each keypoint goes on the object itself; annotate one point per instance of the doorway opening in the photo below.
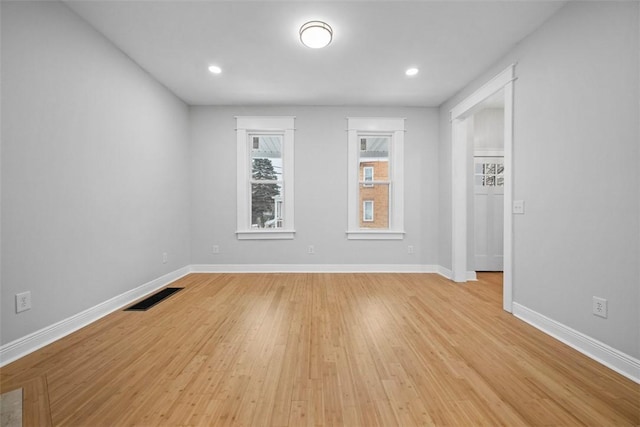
(485, 130)
(463, 163)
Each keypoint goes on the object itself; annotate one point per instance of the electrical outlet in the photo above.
(23, 301)
(410, 249)
(165, 257)
(518, 207)
(600, 307)
(215, 249)
(311, 250)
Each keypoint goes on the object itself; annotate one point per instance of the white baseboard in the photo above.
(600, 352)
(36, 340)
(328, 268)
(314, 268)
(445, 272)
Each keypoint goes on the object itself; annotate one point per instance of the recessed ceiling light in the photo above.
(215, 69)
(316, 34)
(411, 72)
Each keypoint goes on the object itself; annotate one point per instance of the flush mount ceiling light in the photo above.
(316, 34)
(215, 69)
(411, 72)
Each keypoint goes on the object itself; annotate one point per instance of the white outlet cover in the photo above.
(23, 302)
(600, 307)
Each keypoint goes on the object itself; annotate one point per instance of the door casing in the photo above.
(503, 81)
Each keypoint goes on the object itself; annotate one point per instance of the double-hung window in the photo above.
(265, 177)
(376, 188)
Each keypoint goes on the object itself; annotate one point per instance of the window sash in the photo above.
(276, 214)
(387, 160)
(380, 197)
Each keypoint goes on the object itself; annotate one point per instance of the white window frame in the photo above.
(371, 126)
(246, 127)
(364, 211)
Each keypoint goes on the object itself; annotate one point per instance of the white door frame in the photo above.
(459, 113)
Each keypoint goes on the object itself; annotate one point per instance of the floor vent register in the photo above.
(154, 299)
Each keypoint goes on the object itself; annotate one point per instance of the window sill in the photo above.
(375, 235)
(266, 234)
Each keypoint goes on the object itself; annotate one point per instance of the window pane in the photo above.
(266, 205)
(266, 157)
(490, 168)
(490, 181)
(378, 194)
(374, 147)
(500, 170)
(500, 181)
(374, 157)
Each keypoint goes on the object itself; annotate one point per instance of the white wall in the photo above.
(320, 189)
(94, 169)
(576, 151)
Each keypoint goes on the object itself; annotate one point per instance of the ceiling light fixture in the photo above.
(411, 72)
(316, 34)
(215, 69)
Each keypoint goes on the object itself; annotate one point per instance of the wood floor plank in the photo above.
(320, 350)
(35, 403)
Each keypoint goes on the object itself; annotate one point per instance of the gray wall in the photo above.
(320, 189)
(94, 169)
(576, 151)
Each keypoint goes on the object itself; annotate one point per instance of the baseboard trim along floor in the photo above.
(36, 340)
(610, 357)
(622, 363)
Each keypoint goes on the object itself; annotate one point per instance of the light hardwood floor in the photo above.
(321, 349)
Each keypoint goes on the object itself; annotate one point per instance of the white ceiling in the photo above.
(264, 63)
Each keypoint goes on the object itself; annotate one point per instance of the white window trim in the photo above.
(246, 125)
(357, 126)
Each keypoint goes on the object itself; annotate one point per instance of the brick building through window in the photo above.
(374, 187)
